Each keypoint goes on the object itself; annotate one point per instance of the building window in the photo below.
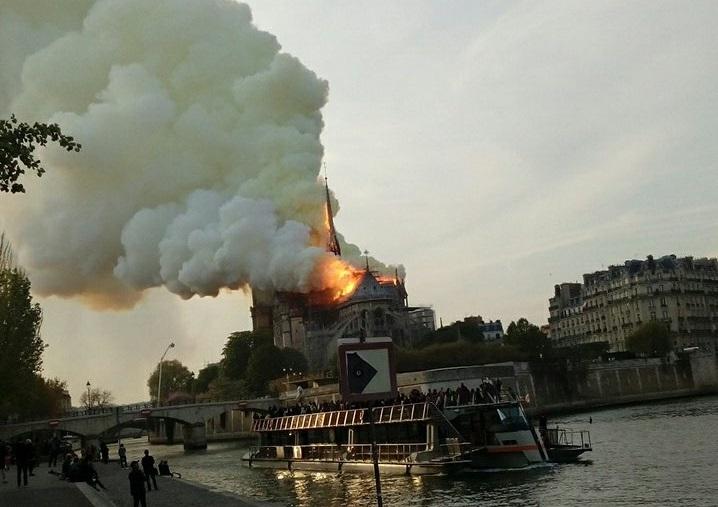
(653, 315)
(663, 301)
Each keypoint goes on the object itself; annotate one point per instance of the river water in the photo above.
(655, 454)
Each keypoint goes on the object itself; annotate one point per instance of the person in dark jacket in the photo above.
(22, 460)
(104, 452)
(137, 485)
(148, 466)
(4, 452)
(122, 453)
(54, 451)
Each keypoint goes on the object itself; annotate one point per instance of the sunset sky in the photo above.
(492, 148)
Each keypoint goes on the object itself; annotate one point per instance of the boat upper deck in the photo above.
(341, 418)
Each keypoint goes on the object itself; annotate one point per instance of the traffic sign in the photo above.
(367, 369)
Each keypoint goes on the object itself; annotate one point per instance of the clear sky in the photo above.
(492, 148)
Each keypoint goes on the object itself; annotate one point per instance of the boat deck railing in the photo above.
(558, 437)
(341, 418)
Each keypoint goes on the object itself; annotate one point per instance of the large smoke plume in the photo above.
(201, 150)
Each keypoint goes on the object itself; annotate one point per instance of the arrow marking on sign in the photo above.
(359, 373)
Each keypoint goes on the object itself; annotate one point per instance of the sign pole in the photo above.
(367, 372)
(375, 456)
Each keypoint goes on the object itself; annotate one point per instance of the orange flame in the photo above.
(341, 278)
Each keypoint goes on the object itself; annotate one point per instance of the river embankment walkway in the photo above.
(47, 490)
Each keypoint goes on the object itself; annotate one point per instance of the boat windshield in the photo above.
(511, 418)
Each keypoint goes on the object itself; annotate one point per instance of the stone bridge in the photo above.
(108, 422)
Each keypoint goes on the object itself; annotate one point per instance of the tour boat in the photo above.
(411, 438)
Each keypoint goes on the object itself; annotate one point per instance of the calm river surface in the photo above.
(657, 454)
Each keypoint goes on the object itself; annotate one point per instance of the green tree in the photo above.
(460, 353)
(238, 349)
(527, 338)
(176, 377)
(294, 360)
(54, 392)
(224, 389)
(652, 338)
(18, 142)
(21, 346)
(205, 376)
(459, 330)
(264, 365)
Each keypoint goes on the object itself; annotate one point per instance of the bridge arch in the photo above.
(151, 424)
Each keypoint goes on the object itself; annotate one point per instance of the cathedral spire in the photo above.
(332, 242)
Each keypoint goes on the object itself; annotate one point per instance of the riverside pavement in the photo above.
(47, 490)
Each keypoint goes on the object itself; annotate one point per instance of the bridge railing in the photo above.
(134, 407)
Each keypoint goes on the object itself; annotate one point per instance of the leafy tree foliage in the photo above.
(652, 338)
(21, 346)
(527, 338)
(249, 361)
(205, 376)
(460, 330)
(264, 365)
(224, 389)
(293, 360)
(97, 398)
(53, 391)
(460, 353)
(176, 377)
(18, 142)
(238, 349)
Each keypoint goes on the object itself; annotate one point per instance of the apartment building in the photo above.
(610, 304)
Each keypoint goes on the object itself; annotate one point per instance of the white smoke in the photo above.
(200, 155)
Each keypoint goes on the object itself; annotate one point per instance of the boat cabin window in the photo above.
(392, 433)
(509, 418)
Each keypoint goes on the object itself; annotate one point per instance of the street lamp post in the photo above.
(159, 381)
(89, 403)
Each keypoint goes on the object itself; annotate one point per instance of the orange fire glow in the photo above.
(341, 278)
(338, 278)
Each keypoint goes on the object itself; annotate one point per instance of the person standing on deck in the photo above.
(148, 466)
(137, 485)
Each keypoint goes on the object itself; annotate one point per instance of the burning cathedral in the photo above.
(368, 304)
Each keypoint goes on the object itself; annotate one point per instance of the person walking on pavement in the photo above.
(22, 450)
(30, 456)
(4, 455)
(122, 452)
(104, 452)
(137, 485)
(54, 451)
(148, 466)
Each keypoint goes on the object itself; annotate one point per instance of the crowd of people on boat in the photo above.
(489, 391)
